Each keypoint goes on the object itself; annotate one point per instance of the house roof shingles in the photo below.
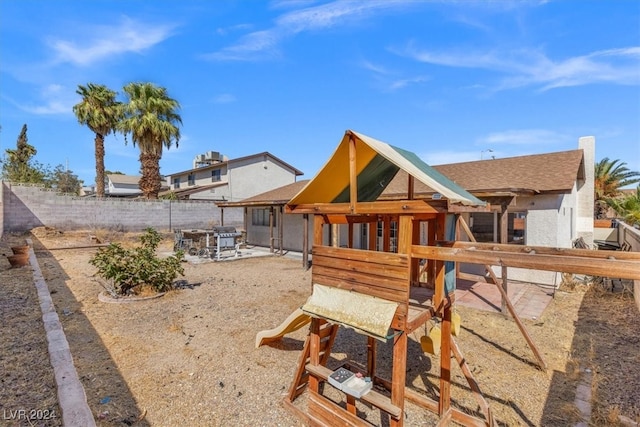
(277, 196)
(537, 173)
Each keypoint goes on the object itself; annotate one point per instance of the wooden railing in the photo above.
(380, 274)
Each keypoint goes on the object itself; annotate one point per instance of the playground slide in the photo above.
(295, 321)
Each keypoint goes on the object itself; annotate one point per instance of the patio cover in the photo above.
(376, 164)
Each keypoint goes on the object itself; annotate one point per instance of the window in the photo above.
(216, 175)
(176, 183)
(260, 217)
(191, 179)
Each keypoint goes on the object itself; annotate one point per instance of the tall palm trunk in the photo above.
(150, 181)
(99, 165)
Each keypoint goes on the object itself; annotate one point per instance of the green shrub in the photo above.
(128, 269)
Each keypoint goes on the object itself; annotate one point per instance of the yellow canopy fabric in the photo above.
(376, 164)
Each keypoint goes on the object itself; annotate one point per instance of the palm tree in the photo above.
(100, 112)
(151, 118)
(610, 176)
(627, 207)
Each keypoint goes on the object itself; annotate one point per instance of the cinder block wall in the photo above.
(25, 207)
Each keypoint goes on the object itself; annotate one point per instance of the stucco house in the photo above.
(215, 177)
(536, 200)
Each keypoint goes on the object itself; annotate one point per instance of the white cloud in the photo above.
(534, 68)
(264, 44)
(256, 45)
(55, 99)
(402, 83)
(107, 41)
(224, 98)
(532, 137)
(223, 31)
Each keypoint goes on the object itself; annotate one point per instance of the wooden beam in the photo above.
(373, 235)
(473, 384)
(399, 376)
(566, 264)
(546, 250)
(410, 185)
(305, 241)
(445, 362)
(386, 234)
(378, 207)
(459, 208)
(271, 229)
(504, 239)
(318, 223)
(281, 230)
(431, 405)
(353, 175)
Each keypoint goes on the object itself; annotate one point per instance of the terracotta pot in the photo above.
(19, 260)
(20, 249)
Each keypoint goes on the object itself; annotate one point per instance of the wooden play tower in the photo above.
(417, 279)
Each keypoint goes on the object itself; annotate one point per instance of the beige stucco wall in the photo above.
(250, 177)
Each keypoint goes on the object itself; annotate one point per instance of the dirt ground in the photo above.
(188, 357)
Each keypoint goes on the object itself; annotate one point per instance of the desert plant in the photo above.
(129, 269)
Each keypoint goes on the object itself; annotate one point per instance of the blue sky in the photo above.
(448, 80)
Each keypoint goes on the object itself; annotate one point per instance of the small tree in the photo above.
(64, 181)
(128, 270)
(19, 165)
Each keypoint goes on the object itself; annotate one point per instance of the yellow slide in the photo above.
(295, 321)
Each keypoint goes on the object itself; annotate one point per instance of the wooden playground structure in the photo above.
(418, 279)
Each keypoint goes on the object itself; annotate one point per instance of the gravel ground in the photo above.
(188, 357)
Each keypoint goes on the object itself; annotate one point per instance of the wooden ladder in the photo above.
(327, 334)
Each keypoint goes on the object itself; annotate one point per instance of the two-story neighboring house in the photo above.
(215, 177)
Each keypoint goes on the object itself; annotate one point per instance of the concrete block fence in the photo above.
(23, 207)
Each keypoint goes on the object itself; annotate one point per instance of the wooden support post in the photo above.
(271, 229)
(353, 177)
(335, 239)
(399, 376)
(372, 346)
(281, 231)
(305, 241)
(410, 186)
(350, 237)
(314, 352)
(386, 233)
(318, 224)
(504, 239)
(431, 241)
(445, 352)
(503, 300)
(373, 236)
